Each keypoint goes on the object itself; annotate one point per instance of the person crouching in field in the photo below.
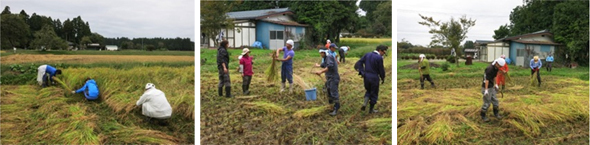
(331, 69)
(489, 95)
(535, 67)
(370, 67)
(90, 90)
(45, 74)
(246, 62)
(501, 78)
(424, 69)
(154, 104)
(343, 51)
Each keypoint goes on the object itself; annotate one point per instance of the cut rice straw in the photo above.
(271, 71)
(300, 82)
(62, 84)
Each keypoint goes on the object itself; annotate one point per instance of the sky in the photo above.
(489, 16)
(119, 18)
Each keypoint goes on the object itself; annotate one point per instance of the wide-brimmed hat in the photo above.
(245, 50)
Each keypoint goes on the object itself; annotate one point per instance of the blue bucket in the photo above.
(310, 94)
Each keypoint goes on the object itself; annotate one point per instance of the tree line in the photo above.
(326, 19)
(39, 32)
(567, 20)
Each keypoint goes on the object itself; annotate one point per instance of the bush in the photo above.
(445, 66)
(451, 59)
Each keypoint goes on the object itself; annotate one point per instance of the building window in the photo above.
(520, 52)
(276, 35)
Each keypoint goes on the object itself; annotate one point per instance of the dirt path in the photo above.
(28, 58)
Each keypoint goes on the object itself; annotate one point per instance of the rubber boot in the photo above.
(497, 112)
(220, 91)
(336, 107)
(371, 110)
(244, 89)
(291, 88)
(422, 86)
(247, 90)
(228, 92)
(484, 117)
(282, 87)
(365, 104)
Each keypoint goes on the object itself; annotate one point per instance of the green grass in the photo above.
(275, 118)
(556, 113)
(96, 52)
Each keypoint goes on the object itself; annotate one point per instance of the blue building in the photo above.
(272, 27)
(520, 49)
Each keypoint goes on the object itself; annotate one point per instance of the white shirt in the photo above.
(154, 104)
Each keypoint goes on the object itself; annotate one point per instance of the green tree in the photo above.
(85, 41)
(570, 27)
(14, 31)
(469, 44)
(213, 18)
(404, 44)
(97, 38)
(534, 15)
(450, 33)
(25, 16)
(370, 7)
(68, 31)
(383, 17)
(6, 10)
(502, 32)
(46, 38)
(326, 18)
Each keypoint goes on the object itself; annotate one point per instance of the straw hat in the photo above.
(536, 58)
(245, 50)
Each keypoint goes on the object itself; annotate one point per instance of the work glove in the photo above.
(73, 92)
(496, 86)
(485, 93)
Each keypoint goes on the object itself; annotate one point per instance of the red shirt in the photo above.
(327, 45)
(247, 62)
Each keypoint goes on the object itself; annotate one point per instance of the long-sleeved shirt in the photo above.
(371, 63)
(154, 104)
(425, 66)
(489, 75)
(332, 66)
(92, 88)
(222, 58)
(549, 59)
(536, 65)
(247, 62)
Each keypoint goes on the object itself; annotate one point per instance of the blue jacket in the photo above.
(538, 64)
(371, 64)
(50, 70)
(549, 59)
(92, 89)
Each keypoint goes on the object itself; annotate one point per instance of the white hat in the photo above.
(422, 56)
(323, 50)
(149, 86)
(503, 56)
(245, 50)
(500, 61)
(328, 41)
(291, 42)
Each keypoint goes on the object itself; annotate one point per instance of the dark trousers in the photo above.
(342, 56)
(246, 83)
(538, 75)
(426, 77)
(372, 88)
(224, 79)
(549, 66)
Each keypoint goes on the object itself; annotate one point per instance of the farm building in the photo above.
(112, 47)
(539, 43)
(93, 46)
(272, 27)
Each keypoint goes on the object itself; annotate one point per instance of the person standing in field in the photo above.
(343, 52)
(154, 104)
(222, 68)
(549, 61)
(331, 69)
(424, 69)
(247, 72)
(287, 65)
(45, 74)
(535, 66)
(501, 78)
(489, 90)
(328, 42)
(90, 89)
(333, 52)
(371, 68)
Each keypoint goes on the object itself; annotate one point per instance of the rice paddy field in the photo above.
(555, 113)
(268, 117)
(52, 115)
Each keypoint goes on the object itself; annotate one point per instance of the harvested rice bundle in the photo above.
(533, 78)
(271, 71)
(62, 84)
(300, 82)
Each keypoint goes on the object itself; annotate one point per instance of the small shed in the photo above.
(112, 47)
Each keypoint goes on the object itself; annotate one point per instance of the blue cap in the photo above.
(333, 45)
